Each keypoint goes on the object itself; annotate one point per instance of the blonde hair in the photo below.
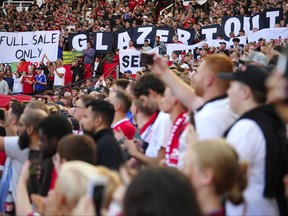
(229, 177)
(73, 180)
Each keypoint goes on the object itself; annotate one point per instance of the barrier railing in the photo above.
(168, 7)
(19, 4)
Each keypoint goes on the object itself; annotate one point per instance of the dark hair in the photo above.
(104, 109)
(149, 82)
(160, 191)
(125, 100)
(17, 109)
(106, 90)
(55, 126)
(77, 147)
(76, 88)
(123, 83)
(259, 97)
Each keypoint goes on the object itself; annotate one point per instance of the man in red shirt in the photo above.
(122, 102)
(28, 82)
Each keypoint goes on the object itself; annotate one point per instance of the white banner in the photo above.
(130, 59)
(181, 47)
(31, 46)
(268, 34)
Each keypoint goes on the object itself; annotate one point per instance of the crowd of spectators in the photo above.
(79, 16)
(196, 133)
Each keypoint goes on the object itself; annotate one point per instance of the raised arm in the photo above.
(49, 61)
(185, 94)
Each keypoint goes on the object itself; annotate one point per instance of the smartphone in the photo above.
(146, 59)
(96, 191)
(2, 114)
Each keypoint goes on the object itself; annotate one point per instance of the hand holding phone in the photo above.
(96, 191)
(146, 59)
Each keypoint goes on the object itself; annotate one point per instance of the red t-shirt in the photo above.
(2, 159)
(27, 87)
(126, 126)
(53, 179)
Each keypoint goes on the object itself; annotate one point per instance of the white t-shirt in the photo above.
(17, 86)
(249, 142)
(214, 119)
(57, 80)
(158, 134)
(18, 157)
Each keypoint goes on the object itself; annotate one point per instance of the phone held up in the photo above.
(146, 59)
(96, 191)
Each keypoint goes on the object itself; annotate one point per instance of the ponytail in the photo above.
(235, 194)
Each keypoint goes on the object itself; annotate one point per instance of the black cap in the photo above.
(39, 68)
(251, 75)
(223, 43)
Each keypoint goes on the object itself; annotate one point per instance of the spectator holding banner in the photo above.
(160, 45)
(146, 46)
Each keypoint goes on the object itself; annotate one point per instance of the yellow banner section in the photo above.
(69, 56)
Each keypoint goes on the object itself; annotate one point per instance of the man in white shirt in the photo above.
(4, 88)
(59, 74)
(209, 101)
(258, 137)
(17, 147)
(150, 90)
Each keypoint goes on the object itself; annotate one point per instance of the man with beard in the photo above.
(209, 99)
(50, 130)
(17, 148)
(96, 122)
(10, 124)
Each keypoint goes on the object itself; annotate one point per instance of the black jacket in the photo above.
(109, 153)
(276, 160)
(96, 71)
